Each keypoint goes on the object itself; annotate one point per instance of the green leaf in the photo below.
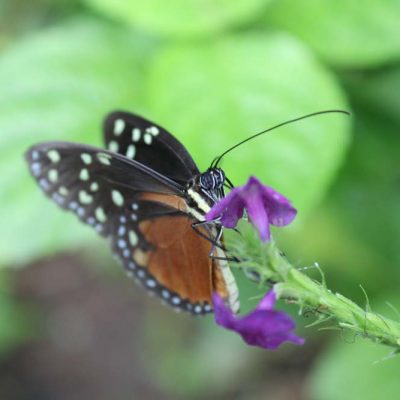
(216, 94)
(349, 371)
(369, 195)
(24, 17)
(346, 33)
(379, 92)
(182, 17)
(57, 85)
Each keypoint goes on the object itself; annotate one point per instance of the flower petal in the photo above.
(267, 329)
(263, 327)
(279, 209)
(231, 215)
(268, 301)
(223, 315)
(258, 215)
(223, 204)
(264, 206)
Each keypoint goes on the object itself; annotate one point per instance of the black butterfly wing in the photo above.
(92, 182)
(150, 144)
(139, 210)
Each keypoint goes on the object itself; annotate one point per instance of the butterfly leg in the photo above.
(213, 240)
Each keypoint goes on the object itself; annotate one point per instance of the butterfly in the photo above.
(145, 194)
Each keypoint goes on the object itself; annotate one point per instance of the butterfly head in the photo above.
(212, 179)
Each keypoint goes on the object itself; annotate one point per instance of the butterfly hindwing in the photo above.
(156, 244)
(150, 144)
(140, 212)
(179, 262)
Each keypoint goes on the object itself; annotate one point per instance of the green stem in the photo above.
(296, 287)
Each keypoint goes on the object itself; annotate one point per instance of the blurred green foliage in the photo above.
(347, 34)
(181, 18)
(214, 73)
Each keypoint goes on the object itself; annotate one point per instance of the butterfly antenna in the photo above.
(218, 159)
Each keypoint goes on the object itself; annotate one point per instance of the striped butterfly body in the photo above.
(147, 196)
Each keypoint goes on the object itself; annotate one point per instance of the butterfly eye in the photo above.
(207, 181)
(212, 179)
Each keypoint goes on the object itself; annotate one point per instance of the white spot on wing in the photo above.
(104, 158)
(91, 221)
(113, 146)
(176, 300)
(54, 156)
(119, 126)
(147, 138)
(153, 130)
(58, 198)
(63, 190)
(121, 243)
(132, 265)
(100, 215)
(197, 309)
(86, 158)
(53, 175)
(36, 168)
(131, 151)
(151, 283)
(84, 197)
(73, 205)
(133, 238)
(117, 198)
(136, 134)
(84, 174)
(94, 186)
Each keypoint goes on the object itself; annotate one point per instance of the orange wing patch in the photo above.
(167, 199)
(179, 262)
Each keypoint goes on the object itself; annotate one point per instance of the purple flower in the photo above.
(263, 327)
(264, 206)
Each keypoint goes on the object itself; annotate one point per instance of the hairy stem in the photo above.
(269, 264)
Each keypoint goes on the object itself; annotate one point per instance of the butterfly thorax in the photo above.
(203, 191)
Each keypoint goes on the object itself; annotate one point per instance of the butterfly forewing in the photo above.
(150, 144)
(91, 182)
(142, 213)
